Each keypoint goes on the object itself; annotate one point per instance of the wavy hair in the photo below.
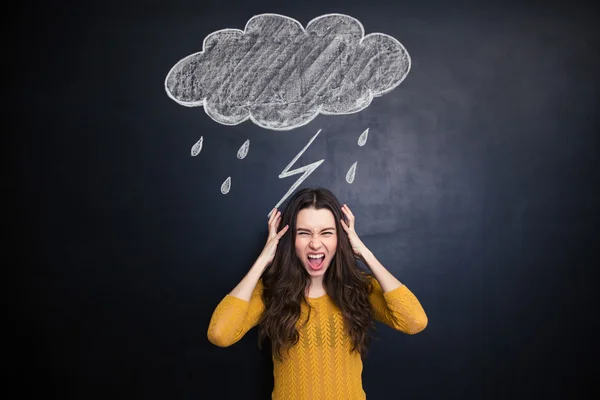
(286, 280)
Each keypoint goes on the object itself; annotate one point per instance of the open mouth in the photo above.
(316, 261)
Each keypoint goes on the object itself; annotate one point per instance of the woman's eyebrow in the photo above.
(308, 230)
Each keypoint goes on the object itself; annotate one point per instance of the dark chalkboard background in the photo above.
(477, 188)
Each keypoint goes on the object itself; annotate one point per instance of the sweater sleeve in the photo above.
(398, 308)
(233, 317)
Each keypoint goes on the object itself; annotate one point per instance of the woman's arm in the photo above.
(245, 288)
(242, 308)
(387, 281)
(234, 316)
(392, 302)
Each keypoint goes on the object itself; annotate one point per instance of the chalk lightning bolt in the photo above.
(306, 170)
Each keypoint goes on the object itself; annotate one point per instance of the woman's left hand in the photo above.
(357, 245)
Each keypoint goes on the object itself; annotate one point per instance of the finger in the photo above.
(344, 225)
(273, 226)
(272, 215)
(347, 215)
(276, 226)
(282, 231)
(350, 216)
(348, 211)
(274, 221)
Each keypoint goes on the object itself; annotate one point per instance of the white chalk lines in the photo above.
(351, 173)
(281, 75)
(305, 170)
(241, 154)
(197, 147)
(226, 186)
(362, 139)
(243, 151)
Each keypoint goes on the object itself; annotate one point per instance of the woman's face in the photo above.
(316, 239)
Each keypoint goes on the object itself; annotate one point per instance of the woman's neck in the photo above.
(315, 287)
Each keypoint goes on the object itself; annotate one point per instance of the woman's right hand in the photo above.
(268, 254)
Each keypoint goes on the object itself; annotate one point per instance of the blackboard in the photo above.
(477, 187)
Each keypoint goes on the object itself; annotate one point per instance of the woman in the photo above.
(313, 303)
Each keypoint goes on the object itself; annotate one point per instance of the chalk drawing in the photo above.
(226, 186)
(197, 147)
(306, 170)
(281, 75)
(363, 138)
(243, 151)
(351, 173)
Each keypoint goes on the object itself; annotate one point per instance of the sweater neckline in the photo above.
(317, 298)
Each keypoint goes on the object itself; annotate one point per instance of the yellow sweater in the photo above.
(321, 365)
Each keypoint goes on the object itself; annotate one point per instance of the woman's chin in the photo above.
(316, 273)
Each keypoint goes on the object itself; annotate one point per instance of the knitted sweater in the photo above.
(321, 365)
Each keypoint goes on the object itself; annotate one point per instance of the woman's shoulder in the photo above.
(373, 282)
(369, 275)
(259, 285)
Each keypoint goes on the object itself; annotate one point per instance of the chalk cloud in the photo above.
(281, 75)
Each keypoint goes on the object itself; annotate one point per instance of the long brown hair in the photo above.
(286, 280)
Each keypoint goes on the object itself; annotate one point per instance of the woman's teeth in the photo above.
(316, 260)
